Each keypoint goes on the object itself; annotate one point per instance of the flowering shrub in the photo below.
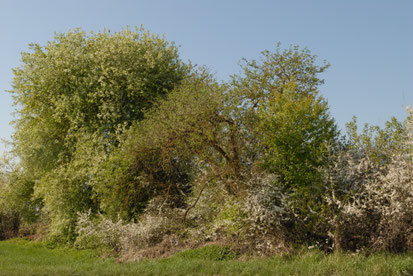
(212, 213)
(98, 232)
(266, 209)
(117, 237)
(372, 205)
(393, 195)
(379, 214)
(254, 221)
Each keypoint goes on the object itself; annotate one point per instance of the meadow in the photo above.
(19, 257)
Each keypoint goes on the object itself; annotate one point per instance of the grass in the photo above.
(19, 257)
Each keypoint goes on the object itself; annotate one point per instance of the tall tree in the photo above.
(75, 95)
(292, 126)
(291, 119)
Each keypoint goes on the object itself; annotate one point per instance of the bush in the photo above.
(267, 211)
(119, 237)
(372, 202)
(253, 222)
(9, 225)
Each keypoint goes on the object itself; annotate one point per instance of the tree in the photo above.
(161, 155)
(271, 117)
(116, 123)
(96, 83)
(293, 129)
(291, 120)
(276, 70)
(297, 135)
(75, 95)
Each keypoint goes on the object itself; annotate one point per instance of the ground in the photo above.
(19, 257)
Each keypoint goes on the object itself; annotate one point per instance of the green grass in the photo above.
(209, 252)
(26, 258)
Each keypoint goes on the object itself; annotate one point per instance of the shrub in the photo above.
(253, 221)
(117, 237)
(9, 225)
(382, 211)
(267, 210)
(372, 202)
(393, 195)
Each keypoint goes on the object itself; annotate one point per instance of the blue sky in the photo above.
(368, 43)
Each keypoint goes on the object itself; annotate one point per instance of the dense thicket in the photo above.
(122, 146)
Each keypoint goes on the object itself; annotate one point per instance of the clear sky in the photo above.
(369, 43)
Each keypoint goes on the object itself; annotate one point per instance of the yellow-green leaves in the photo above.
(80, 86)
(296, 133)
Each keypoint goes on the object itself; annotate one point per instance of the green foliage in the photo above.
(74, 96)
(96, 83)
(292, 122)
(231, 217)
(189, 131)
(205, 132)
(379, 144)
(293, 130)
(16, 197)
(297, 133)
(17, 206)
(276, 70)
(297, 136)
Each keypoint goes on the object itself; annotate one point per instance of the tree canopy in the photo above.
(75, 95)
(92, 83)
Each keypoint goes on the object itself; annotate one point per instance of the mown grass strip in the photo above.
(26, 258)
